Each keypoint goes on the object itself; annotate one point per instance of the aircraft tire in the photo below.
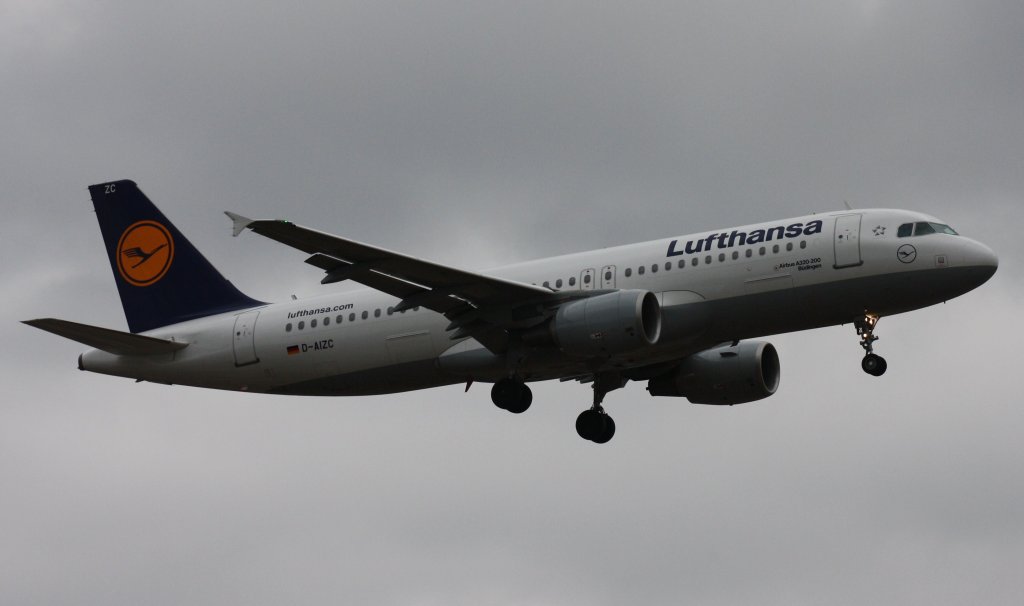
(523, 399)
(511, 395)
(608, 432)
(590, 424)
(874, 365)
(503, 393)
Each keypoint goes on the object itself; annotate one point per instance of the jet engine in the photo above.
(723, 375)
(607, 325)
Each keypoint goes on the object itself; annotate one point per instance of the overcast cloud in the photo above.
(478, 134)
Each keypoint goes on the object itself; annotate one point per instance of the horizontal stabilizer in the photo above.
(110, 341)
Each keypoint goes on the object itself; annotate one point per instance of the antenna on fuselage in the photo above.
(847, 205)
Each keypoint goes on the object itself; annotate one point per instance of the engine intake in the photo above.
(607, 325)
(724, 375)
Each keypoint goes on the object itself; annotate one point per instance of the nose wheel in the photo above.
(873, 364)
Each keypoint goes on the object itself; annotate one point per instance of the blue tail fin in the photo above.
(161, 277)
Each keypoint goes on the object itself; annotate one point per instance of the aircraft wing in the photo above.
(476, 304)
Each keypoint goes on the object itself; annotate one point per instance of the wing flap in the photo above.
(106, 339)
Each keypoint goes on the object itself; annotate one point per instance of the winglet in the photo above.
(238, 223)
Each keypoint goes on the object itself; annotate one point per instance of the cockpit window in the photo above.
(905, 230)
(923, 228)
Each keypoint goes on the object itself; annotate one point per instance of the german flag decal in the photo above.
(293, 349)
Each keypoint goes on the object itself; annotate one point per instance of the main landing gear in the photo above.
(873, 364)
(595, 424)
(512, 394)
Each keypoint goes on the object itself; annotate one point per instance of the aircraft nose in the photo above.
(982, 260)
(986, 257)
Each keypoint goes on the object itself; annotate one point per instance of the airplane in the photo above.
(677, 313)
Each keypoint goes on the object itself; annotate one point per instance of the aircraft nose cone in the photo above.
(983, 261)
(987, 258)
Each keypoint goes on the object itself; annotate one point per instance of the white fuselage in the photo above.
(713, 287)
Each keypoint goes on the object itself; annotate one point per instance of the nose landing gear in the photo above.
(873, 364)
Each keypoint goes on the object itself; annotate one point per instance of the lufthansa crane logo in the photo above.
(906, 253)
(144, 253)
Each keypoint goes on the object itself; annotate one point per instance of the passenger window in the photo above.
(352, 317)
(302, 325)
(572, 281)
(312, 323)
(640, 270)
(735, 255)
(288, 327)
(721, 257)
(803, 243)
(327, 321)
(376, 313)
(682, 263)
(760, 251)
(391, 311)
(775, 249)
(654, 268)
(668, 265)
(629, 271)
(558, 283)
(339, 319)
(694, 261)
(750, 252)
(586, 278)
(607, 275)
(789, 246)
(905, 230)
(923, 229)
(547, 284)
(707, 260)
(366, 314)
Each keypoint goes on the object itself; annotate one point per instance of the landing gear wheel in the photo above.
(609, 431)
(595, 425)
(589, 424)
(522, 401)
(512, 395)
(874, 365)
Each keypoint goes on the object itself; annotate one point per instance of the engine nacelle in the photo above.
(609, 324)
(724, 375)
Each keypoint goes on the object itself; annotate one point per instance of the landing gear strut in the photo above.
(512, 394)
(595, 424)
(873, 364)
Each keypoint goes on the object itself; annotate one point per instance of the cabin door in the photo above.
(245, 338)
(847, 241)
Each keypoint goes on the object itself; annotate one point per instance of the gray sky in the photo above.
(479, 134)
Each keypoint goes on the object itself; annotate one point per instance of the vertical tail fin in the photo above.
(161, 277)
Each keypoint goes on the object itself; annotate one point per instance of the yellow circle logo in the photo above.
(144, 253)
